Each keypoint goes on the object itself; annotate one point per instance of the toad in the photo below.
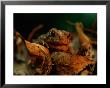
(59, 40)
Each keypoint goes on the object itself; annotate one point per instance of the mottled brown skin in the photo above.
(61, 61)
(56, 39)
(64, 48)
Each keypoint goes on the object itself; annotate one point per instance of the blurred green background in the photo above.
(25, 22)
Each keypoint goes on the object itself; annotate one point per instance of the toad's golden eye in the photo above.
(51, 33)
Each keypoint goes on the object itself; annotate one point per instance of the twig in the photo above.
(69, 22)
(90, 30)
(34, 31)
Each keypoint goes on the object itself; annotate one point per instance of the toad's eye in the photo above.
(52, 34)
